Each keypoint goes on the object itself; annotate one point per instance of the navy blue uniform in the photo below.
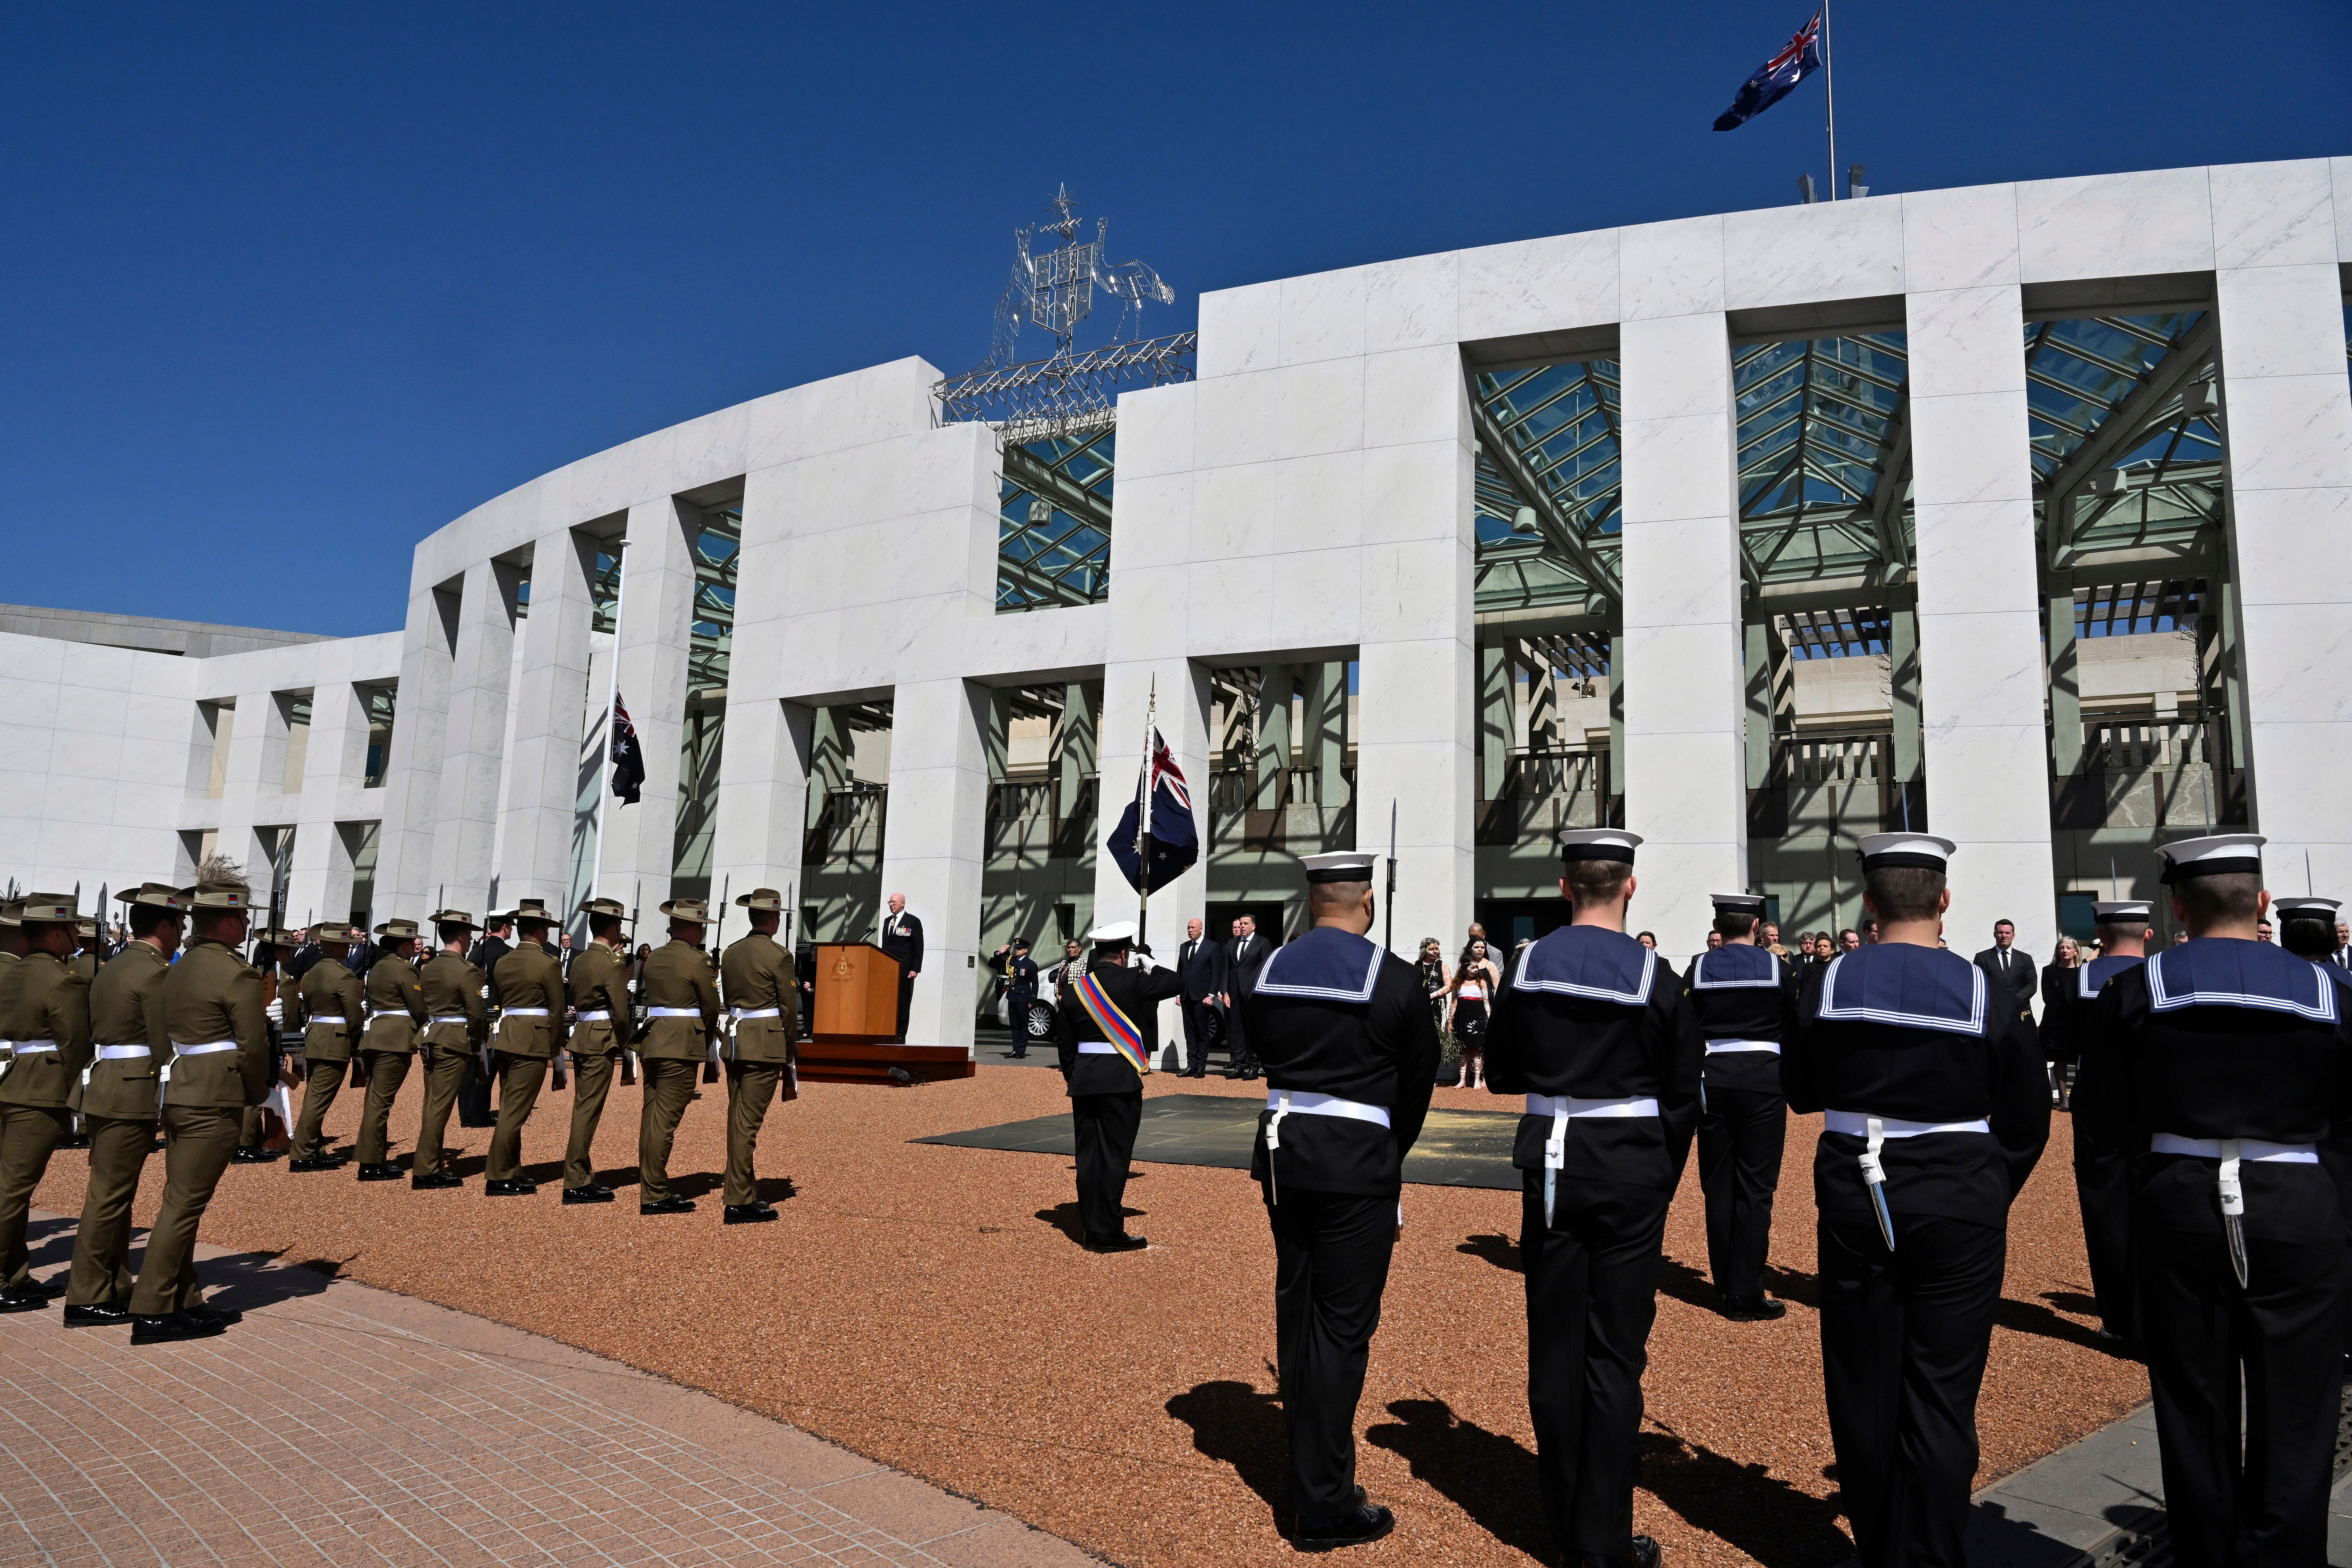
(1350, 1056)
(1106, 1091)
(1914, 1039)
(1746, 1003)
(2222, 1046)
(1018, 975)
(2102, 1169)
(1601, 1028)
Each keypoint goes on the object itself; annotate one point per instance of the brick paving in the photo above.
(346, 1425)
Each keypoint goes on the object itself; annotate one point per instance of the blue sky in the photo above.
(286, 288)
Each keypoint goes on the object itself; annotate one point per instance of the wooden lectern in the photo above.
(856, 1015)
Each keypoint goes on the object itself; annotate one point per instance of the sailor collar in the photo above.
(2215, 971)
(1735, 965)
(1899, 984)
(2102, 969)
(1325, 965)
(1592, 962)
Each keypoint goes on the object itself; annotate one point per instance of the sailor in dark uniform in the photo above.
(1596, 1030)
(1106, 1027)
(1745, 1001)
(2233, 1060)
(2101, 1170)
(1350, 1054)
(1936, 1106)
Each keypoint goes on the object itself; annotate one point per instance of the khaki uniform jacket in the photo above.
(329, 1011)
(211, 995)
(678, 974)
(395, 1004)
(40, 999)
(600, 983)
(126, 1008)
(452, 989)
(758, 974)
(8, 961)
(530, 976)
(86, 965)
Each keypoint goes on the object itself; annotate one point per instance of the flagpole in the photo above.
(612, 695)
(1830, 71)
(1143, 819)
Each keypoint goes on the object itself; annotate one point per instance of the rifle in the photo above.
(626, 1028)
(719, 942)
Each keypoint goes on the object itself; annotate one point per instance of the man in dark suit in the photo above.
(902, 938)
(2011, 972)
(1245, 953)
(1200, 965)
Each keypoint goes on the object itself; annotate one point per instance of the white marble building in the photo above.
(1309, 497)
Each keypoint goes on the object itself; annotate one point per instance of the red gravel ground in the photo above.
(928, 1307)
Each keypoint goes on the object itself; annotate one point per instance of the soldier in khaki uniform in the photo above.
(763, 996)
(458, 1025)
(271, 949)
(12, 948)
(600, 1032)
(530, 1031)
(681, 1030)
(117, 1096)
(86, 959)
(220, 1065)
(330, 1009)
(396, 1018)
(45, 1011)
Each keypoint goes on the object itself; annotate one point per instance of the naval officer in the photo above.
(1344, 1033)
(1746, 1002)
(2231, 1063)
(1107, 1030)
(2101, 1170)
(1596, 1030)
(1934, 1107)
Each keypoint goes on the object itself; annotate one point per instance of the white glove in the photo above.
(275, 1012)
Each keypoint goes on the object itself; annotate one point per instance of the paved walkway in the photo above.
(342, 1426)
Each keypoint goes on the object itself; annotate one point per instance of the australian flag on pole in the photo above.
(1776, 77)
(628, 757)
(1170, 836)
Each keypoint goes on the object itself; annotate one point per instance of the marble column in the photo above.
(937, 843)
(656, 628)
(412, 789)
(481, 675)
(549, 720)
(762, 795)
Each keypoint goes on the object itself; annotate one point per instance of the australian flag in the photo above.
(1776, 77)
(1170, 836)
(628, 757)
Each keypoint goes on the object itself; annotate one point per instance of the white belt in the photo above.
(1562, 1107)
(672, 1012)
(207, 1049)
(522, 1013)
(121, 1053)
(1096, 1048)
(1715, 1047)
(1306, 1102)
(449, 1018)
(330, 1021)
(744, 1013)
(1858, 1125)
(603, 1015)
(34, 1047)
(2253, 1149)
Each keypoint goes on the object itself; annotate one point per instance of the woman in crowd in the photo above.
(2059, 981)
(1435, 977)
(1476, 981)
(1648, 939)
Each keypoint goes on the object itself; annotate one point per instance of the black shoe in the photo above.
(1122, 1242)
(671, 1205)
(1754, 1309)
(593, 1193)
(379, 1172)
(1644, 1554)
(252, 1154)
(206, 1312)
(517, 1188)
(174, 1326)
(438, 1180)
(1196, 1072)
(50, 1289)
(32, 1298)
(97, 1314)
(747, 1213)
(79, 1141)
(1020, 1055)
(1365, 1521)
(318, 1162)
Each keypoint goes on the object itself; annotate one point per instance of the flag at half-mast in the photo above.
(1776, 77)
(1175, 840)
(628, 757)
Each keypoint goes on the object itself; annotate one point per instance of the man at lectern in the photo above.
(902, 938)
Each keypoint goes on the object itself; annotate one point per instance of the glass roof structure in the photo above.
(1548, 486)
(2126, 436)
(1053, 544)
(717, 548)
(1825, 458)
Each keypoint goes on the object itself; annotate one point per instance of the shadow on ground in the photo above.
(1234, 1423)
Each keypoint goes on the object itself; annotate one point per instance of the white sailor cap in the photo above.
(1340, 866)
(1739, 903)
(1925, 850)
(1598, 844)
(2121, 911)
(1118, 933)
(2219, 854)
(2307, 908)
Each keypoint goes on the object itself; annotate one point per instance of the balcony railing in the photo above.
(854, 818)
(2151, 773)
(1543, 792)
(1237, 800)
(1031, 813)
